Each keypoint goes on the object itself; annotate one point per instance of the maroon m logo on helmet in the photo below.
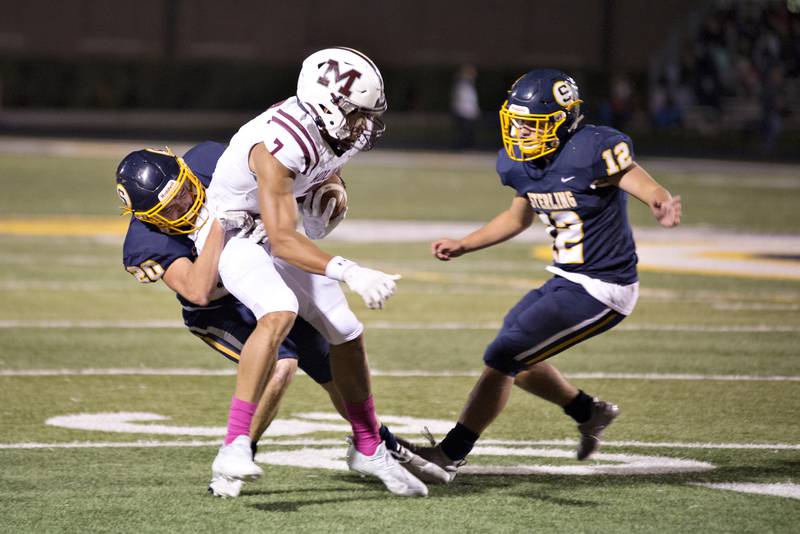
(332, 66)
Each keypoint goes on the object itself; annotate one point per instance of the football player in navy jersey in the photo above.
(576, 179)
(165, 195)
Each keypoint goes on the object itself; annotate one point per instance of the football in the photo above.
(333, 187)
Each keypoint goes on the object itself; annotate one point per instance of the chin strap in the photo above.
(334, 143)
(575, 123)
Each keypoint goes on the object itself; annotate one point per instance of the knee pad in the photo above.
(339, 325)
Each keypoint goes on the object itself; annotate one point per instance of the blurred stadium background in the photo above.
(706, 370)
(684, 77)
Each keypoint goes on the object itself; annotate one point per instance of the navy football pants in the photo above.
(548, 320)
(227, 323)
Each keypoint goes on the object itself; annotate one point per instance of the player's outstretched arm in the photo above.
(195, 281)
(504, 226)
(665, 208)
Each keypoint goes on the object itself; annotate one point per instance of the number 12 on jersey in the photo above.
(619, 160)
(566, 229)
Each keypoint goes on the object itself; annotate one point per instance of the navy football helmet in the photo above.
(543, 109)
(158, 188)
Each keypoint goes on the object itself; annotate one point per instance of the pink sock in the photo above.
(366, 433)
(239, 419)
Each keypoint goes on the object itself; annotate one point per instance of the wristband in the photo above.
(337, 266)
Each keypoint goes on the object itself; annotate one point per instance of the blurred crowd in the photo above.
(734, 70)
(739, 69)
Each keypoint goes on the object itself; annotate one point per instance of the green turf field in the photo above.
(706, 372)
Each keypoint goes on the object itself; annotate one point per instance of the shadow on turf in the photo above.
(466, 486)
(543, 488)
(295, 506)
(284, 491)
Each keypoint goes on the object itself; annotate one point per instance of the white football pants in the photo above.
(267, 284)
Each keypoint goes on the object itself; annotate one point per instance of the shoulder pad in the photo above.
(613, 151)
(148, 253)
(289, 140)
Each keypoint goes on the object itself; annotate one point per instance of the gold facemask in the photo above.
(528, 136)
(185, 223)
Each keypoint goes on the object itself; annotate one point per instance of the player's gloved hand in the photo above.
(259, 233)
(317, 221)
(240, 221)
(375, 287)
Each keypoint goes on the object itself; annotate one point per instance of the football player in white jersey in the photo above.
(273, 160)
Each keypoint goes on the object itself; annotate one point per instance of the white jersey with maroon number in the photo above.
(261, 282)
(292, 137)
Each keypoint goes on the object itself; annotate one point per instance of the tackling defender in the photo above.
(156, 248)
(272, 161)
(575, 178)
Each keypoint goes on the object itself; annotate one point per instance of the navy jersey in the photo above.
(147, 253)
(586, 216)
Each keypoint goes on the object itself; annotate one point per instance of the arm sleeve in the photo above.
(148, 253)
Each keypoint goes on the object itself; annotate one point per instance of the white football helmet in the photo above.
(343, 89)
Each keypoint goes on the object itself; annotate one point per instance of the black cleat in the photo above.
(603, 414)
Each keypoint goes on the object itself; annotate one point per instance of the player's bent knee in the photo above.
(341, 325)
(279, 322)
(285, 369)
(500, 357)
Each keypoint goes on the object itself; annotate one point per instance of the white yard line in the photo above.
(787, 489)
(395, 374)
(385, 325)
(119, 372)
(108, 444)
(325, 442)
(655, 444)
(90, 324)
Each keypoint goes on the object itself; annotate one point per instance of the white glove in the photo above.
(317, 221)
(259, 233)
(375, 287)
(240, 221)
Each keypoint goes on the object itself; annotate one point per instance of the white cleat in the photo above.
(383, 465)
(221, 486)
(235, 461)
